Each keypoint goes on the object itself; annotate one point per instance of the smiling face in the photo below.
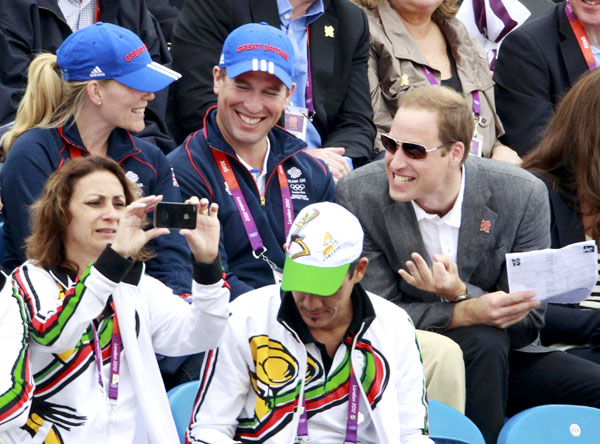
(432, 182)
(96, 205)
(248, 106)
(588, 13)
(122, 106)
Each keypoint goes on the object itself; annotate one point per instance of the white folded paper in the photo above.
(563, 276)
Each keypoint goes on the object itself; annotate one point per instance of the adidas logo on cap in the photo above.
(97, 72)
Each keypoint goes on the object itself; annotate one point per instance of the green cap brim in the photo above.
(321, 281)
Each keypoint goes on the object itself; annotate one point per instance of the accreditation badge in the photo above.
(476, 145)
(295, 121)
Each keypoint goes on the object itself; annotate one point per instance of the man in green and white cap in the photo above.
(316, 357)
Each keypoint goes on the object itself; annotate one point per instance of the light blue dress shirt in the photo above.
(296, 30)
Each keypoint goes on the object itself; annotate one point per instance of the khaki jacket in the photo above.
(395, 67)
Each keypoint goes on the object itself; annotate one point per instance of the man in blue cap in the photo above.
(257, 172)
(331, 106)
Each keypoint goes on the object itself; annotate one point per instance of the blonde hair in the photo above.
(48, 102)
(447, 9)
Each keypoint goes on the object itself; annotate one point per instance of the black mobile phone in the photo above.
(175, 215)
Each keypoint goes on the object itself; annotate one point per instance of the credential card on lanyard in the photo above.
(295, 121)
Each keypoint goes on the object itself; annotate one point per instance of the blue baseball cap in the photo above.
(104, 51)
(258, 47)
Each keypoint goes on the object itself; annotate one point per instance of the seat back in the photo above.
(448, 423)
(553, 424)
(181, 400)
(437, 440)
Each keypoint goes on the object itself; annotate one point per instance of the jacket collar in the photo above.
(65, 277)
(120, 143)
(478, 223)
(363, 313)
(283, 144)
(569, 47)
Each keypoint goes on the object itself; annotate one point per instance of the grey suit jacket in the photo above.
(510, 200)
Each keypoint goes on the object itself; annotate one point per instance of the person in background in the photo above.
(422, 43)
(165, 12)
(31, 27)
(539, 62)
(330, 107)
(316, 356)
(258, 173)
(96, 319)
(439, 225)
(567, 161)
(87, 102)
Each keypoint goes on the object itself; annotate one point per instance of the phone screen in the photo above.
(175, 215)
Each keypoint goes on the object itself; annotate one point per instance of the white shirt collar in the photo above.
(261, 178)
(452, 217)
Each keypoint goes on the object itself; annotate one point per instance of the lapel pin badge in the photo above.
(485, 226)
(328, 31)
(404, 80)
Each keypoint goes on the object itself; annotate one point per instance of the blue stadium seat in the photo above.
(437, 440)
(449, 426)
(553, 424)
(181, 400)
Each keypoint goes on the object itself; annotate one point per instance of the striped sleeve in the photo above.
(58, 317)
(16, 380)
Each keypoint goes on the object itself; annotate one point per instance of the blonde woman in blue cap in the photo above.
(85, 100)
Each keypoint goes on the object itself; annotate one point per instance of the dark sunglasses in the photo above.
(411, 149)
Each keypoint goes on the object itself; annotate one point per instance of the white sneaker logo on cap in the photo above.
(97, 72)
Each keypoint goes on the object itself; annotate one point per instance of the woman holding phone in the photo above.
(87, 100)
(96, 319)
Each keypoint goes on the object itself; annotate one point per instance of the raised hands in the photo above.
(204, 240)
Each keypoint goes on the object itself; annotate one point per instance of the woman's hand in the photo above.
(204, 240)
(130, 237)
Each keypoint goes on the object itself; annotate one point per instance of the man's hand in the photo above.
(334, 159)
(442, 278)
(506, 154)
(498, 309)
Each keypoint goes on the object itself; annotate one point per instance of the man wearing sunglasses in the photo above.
(438, 224)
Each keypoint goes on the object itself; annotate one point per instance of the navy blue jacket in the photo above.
(197, 172)
(39, 152)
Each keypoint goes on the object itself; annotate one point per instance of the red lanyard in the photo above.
(581, 36)
(240, 202)
(115, 353)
